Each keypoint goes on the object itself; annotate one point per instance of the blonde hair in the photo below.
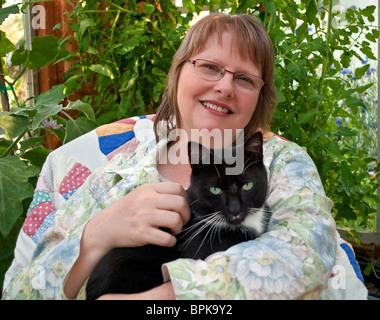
(252, 43)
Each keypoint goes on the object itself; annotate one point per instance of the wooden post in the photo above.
(54, 74)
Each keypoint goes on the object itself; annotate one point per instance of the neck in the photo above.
(175, 166)
(268, 135)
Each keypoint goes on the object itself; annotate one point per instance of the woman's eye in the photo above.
(247, 186)
(210, 67)
(215, 190)
(244, 78)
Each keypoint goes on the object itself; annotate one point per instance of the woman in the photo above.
(221, 77)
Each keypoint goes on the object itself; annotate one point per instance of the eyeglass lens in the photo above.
(212, 71)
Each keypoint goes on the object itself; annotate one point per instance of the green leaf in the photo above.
(368, 52)
(368, 269)
(6, 45)
(306, 116)
(346, 132)
(76, 128)
(44, 50)
(14, 188)
(319, 45)
(270, 6)
(311, 10)
(148, 8)
(19, 57)
(129, 45)
(84, 42)
(83, 107)
(4, 144)
(158, 72)
(345, 59)
(157, 91)
(36, 156)
(85, 24)
(319, 133)
(333, 147)
(301, 32)
(5, 12)
(102, 69)
(375, 33)
(29, 143)
(317, 97)
(14, 125)
(370, 37)
(298, 69)
(360, 72)
(362, 88)
(346, 178)
(45, 111)
(53, 96)
(368, 11)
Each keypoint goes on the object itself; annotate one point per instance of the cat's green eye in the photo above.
(215, 190)
(247, 186)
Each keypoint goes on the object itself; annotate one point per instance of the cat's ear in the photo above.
(254, 143)
(198, 155)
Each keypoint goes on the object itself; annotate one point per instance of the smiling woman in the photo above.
(247, 48)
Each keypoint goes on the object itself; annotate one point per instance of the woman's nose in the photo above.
(225, 85)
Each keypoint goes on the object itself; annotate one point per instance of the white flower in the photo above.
(303, 173)
(268, 264)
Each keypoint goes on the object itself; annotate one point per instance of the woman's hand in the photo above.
(133, 220)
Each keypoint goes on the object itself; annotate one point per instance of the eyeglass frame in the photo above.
(221, 75)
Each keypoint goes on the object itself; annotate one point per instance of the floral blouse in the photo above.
(301, 256)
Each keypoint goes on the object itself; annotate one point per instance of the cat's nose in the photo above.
(234, 207)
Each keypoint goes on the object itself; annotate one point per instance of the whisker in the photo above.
(206, 236)
(247, 160)
(246, 167)
(206, 222)
(249, 232)
(190, 204)
(201, 221)
(217, 171)
(216, 228)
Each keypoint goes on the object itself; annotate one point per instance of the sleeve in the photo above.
(61, 175)
(49, 241)
(292, 260)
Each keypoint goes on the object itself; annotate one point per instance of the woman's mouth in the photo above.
(212, 106)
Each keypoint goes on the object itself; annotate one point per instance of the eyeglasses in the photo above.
(212, 71)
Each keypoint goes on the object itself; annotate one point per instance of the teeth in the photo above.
(214, 107)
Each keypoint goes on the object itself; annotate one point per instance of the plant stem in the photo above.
(272, 21)
(326, 59)
(118, 7)
(14, 93)
(67, 115)
(9, 149)
(22, 70)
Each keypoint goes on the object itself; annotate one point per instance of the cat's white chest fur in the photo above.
(256, 220)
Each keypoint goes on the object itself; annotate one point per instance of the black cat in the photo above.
(226, 210)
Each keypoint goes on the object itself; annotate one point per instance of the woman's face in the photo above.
(198, 98)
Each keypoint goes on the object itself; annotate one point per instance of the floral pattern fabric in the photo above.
(294, 259)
